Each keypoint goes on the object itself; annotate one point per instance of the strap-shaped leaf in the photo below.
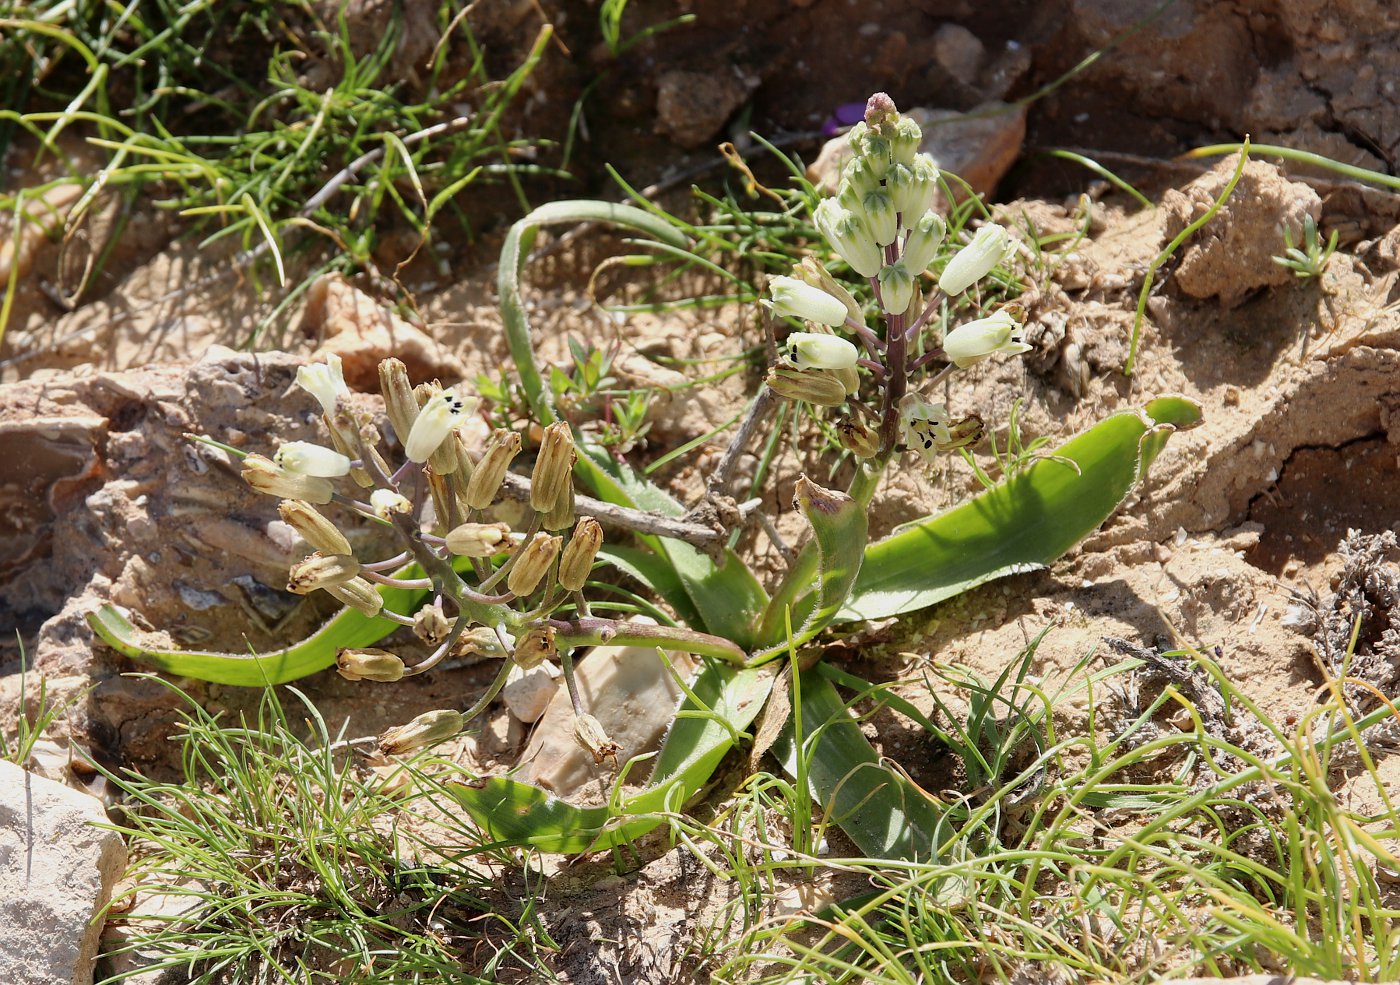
(348, 628)
(880, 810)
(1022, 524)
(840, 528)
(515, 813)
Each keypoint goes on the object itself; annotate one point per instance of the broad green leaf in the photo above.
(840, 528)
(885, 814)
(514, 252)
(348, 628)
(1023, 524)
(655, 572)
(515, 813)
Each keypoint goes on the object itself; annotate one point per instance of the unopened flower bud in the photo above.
(480, 640)
(857, 176)
(314, 528)
(553, 476)
(809, 350)
(576, 563)
(387, 503)
(400, 403)
(266, 476)
(859, 440)
(974, 341)
(324, 381)
(896, 287)
(878, 209)
(358, 594)
(880, 111)
(434, 423)
(921, 245)
(795, 298)
(991, 246)
(478, 539)
(321, 571)
(814, 386)
(369, 665)
(532, 563)
(589, 733)
(849, 236)
(870, 147)
(490, 472)
(913, 187)
(305, 458)
(428, 729)
(431, 626)
(810, 271)
(905, 137)
(535, 647)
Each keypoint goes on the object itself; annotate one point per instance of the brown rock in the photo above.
(1232, 255)
(691, 107)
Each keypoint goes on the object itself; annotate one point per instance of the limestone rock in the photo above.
(691, 107)
(528, 692)
(57, 870)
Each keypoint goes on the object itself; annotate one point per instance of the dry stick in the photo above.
(518, 487)
(723, 474)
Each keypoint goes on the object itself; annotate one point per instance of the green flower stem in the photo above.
(597, 632)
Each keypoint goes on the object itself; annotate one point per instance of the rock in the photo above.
(152, 910)
(630, 691)
(979, 146)
(41, 217)
(363, 332)
(57, 870)
(691, 107)
(528, 692)
(1232, 256)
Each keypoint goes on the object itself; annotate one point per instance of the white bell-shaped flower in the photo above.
(896, 288)
(921, 245)
(970, 343)
(305, 458)
(808, 350)
(797, 299)
(992, 245)
(324, 381)
(435, 421)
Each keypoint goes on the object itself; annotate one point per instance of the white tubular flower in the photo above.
(913, 187)
(881, 216)
(849, 236)
(304, 458)
(386, 503)
(923, 427)
(896, 287)
(857, 176)
(435, 421)
(921, 245)
(992, 245)
(801, 300)
(905, 137)
(808, 350)
(325, 382)
(975, 341)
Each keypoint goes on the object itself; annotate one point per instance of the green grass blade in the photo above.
(1022, 524)
(840, 528)
(515, 813)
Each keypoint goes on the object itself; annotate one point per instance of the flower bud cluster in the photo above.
(882, 223)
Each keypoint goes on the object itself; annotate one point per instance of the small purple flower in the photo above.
(845, 115)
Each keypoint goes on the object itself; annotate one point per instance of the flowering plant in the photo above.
(464, 578)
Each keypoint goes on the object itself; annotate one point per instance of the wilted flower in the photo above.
(386, 503)
(859, 440)
(358, 594)
(305, 458)
(992, 245)
(431, 626)
(324, 381)
(589, 733)
(535, 647)
(490, 472)
(553, 475)
(798, 299)
(313, 527)
(533, 563)
(576, 563)
(974, 341)
(435, 421)
(369, 665)
(321, 571)
(400, 402)
(428, 729)
(814, 386)
(809, 350)
(477, 539)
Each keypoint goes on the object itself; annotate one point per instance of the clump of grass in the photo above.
(265, 126)
(288, 864)
(1120, 853)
